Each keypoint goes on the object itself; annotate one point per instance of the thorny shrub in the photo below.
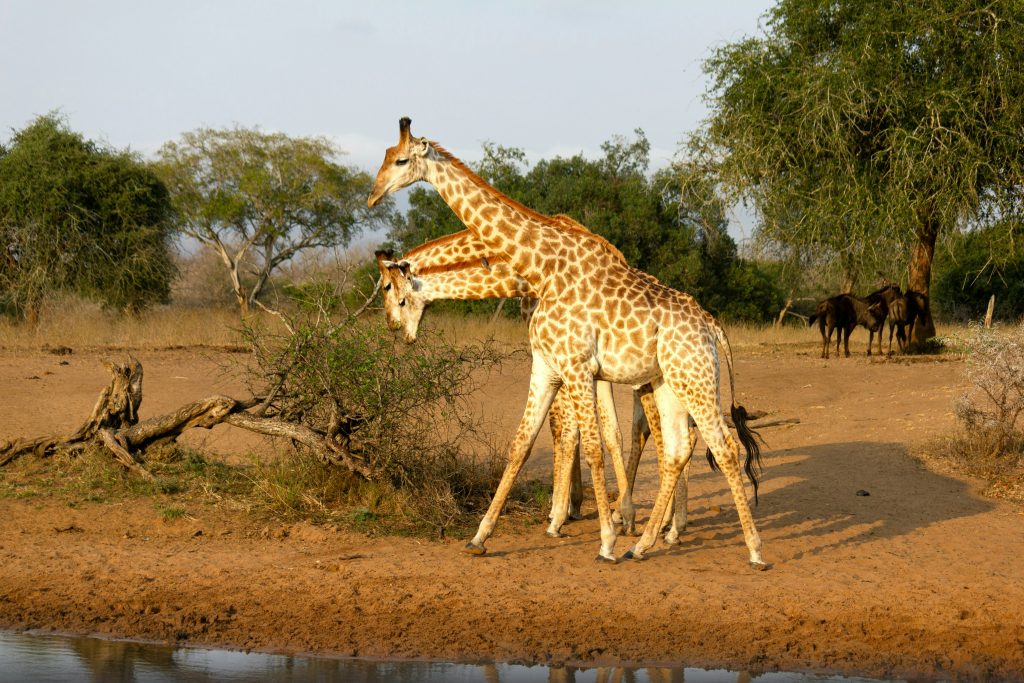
(995, 369)
(406, 412)
(990, 441)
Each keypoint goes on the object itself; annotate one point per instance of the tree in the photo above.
(645, 216)
(77, 216)
(260, 199)
(863, 127)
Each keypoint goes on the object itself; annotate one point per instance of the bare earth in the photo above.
(921, 577)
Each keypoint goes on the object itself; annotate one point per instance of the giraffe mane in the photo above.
(559, 222)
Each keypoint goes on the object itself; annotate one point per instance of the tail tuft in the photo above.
(748, 437)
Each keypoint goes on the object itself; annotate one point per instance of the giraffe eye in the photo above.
(402, 302)
(387, 287)
(401, 162)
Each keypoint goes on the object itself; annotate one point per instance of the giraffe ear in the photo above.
(421, 146)
(417, 284)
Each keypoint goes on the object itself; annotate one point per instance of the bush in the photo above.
(990, 442)
(402, 410)
(995, 368)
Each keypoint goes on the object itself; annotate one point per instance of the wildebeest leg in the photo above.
(846, 341)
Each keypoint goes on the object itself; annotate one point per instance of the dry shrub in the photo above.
(405, 411)
(990, 442)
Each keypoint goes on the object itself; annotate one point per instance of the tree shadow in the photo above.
(811, 493)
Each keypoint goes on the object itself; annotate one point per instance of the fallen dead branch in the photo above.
(114, 426)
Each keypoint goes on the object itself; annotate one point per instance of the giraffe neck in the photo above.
(502, 224)
(472, 281)
(456, 248)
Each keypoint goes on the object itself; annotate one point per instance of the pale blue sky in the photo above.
(551, 77)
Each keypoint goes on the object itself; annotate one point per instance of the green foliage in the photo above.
(259, 199)
(861, 129)
(968, 274)
(75, 216)
(671, 225)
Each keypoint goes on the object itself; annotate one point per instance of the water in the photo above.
(56, 659)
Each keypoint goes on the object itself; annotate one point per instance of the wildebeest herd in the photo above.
(844, 312)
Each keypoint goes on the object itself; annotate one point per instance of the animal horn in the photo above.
(404, 124)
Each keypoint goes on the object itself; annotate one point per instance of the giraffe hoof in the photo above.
(554, 534)
(474, 549)
(671, 539)
(575, 515)
(605, 560)
(616, 517)
(760, 566)
(631, 555)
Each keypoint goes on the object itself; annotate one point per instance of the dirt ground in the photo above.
(922, 577)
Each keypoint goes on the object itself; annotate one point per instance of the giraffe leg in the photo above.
(565, 469)
(579, 382)
(567, 466)
(671, 462)
(643, 404)
(712, 427)
(544, 383)
(612, 437)
(679, 501)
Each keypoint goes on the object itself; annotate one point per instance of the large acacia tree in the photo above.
(259, 199)
(857, 123)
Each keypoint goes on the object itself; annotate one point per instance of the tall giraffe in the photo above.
(597, 319)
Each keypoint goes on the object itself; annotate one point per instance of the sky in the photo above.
(552, 77)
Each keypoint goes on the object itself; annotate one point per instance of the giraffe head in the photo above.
(403, 303)
(403, 164)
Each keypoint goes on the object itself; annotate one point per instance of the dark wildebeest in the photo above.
(844, 312)
(904, 309)
(895, 312)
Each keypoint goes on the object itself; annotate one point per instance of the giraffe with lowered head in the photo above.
(597, 319)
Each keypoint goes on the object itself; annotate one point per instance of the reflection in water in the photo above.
(52, 659)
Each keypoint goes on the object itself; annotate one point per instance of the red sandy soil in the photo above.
(921, 578)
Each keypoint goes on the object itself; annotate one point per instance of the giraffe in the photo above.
(405, 299)
(597, 319)
(406, 295)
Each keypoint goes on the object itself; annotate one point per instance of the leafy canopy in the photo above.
(77, 216)
(259, 199)
(857, 127)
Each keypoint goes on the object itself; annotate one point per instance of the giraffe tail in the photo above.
(748, 437)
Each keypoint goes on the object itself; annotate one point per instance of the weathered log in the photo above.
(114, 425)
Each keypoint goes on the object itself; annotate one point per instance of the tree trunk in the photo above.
(920, 276)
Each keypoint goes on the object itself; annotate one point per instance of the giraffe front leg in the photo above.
(563, 445)
(579, 382)
(640, 432)
(544, 384)
(612, 438)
